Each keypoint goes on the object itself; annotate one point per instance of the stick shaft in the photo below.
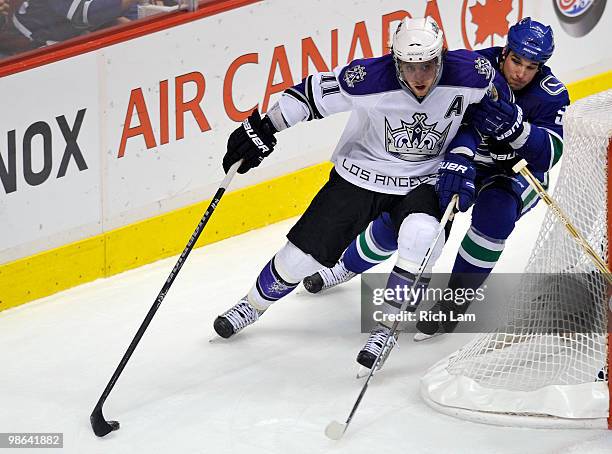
(164, 290)
(445, 218)
(556, 209)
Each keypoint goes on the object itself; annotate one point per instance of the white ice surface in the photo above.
(271, 389)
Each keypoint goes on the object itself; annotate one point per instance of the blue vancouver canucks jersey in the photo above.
(543, 102)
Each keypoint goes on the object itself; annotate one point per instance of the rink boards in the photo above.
(109, 156)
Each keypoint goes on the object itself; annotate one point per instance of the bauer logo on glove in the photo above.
(254, 137)
(252, 141)
(453, 166)
(456, 176)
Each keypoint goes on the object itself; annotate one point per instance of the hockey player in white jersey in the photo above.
(405, 109)
(536, 120)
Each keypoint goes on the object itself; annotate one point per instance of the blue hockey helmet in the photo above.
(531, 39)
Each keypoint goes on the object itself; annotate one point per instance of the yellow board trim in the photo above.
(589, 86)
(163, 236)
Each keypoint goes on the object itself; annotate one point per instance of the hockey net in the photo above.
(548, 366)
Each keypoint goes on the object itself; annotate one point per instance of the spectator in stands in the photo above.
(28, 24)
(153, 7)
(46, 22)
(11, 41)
(4, 9)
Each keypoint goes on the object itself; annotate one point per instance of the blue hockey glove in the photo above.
(499, 119)
(456, 176)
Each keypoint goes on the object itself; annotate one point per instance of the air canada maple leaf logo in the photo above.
(490, 18)
(486, 22)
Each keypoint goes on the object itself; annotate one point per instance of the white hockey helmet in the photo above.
(417, 40)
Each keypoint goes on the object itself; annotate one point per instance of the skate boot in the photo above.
(374, 345)
(447, 312)
(426, 329)
(236, 318)
(328, 278)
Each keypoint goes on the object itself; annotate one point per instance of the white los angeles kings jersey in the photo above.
(392, 142)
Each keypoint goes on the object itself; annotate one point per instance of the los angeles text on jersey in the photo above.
(408, 183)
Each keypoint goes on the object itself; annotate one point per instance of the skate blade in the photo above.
(335, 430)
(362, 372)
(216, 339)
(421, 337)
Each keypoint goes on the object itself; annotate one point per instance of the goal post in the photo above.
(547, 366)
(609, 261)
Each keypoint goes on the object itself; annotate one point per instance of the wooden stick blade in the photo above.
(335, 430)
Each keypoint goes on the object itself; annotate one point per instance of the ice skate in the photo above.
(328, 278)
(374, 345)
(236, 319)
(421, 337)
(427, 328)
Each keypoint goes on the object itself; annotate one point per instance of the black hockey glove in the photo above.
(504, 157)
(252, 142)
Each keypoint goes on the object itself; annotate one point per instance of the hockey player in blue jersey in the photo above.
(531, 129)
(405, 109)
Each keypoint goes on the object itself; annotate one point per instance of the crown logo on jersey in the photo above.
(354, 75)
(416, 141)
(483, 66)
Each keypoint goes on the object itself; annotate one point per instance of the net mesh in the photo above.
(546, 340)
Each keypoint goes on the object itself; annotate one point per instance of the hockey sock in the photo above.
(416, 234)
(269, 287)
(374, 245)
(400, 284)
(493, 219)
(281, 276)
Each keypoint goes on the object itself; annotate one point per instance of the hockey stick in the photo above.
(335, 430)
(521, 167)
(101, 426)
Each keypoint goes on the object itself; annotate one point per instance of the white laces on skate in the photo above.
(376, 341)
(241, 315)
(336, 275)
